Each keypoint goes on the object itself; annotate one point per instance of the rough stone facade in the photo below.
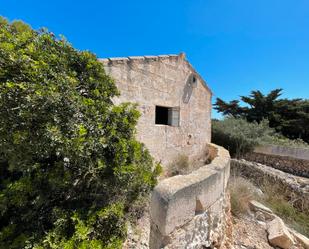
(190, 211)
(152, 81)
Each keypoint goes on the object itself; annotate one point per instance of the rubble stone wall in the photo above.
(295, 166)
(190, 211)
(295, 188)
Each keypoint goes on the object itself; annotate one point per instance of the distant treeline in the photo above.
(290, 117)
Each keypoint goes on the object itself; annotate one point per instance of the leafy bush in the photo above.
(238, 135)
(289, 117)
(69, 163)
(280, 140)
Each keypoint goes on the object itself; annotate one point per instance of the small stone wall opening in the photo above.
(162, 115)
(198, 207)
(167, 115)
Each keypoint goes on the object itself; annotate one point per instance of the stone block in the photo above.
(176, 201)
(136, 57)
(257, 206)
(278, 234)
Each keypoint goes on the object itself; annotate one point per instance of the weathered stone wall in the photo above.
(163, 81)
(287, 164)
(298, 153)
(189, 211)
(295, 188)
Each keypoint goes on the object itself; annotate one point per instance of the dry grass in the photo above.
(275, 199)
(180, 166)
(242, 192)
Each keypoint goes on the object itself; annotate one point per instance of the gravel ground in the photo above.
(248, 233)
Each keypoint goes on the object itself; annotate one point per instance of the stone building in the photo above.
(174, 101)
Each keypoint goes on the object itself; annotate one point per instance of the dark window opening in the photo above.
(162, 115)
(167, 115)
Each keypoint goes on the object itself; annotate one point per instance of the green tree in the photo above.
(289, 117)
(239, 136)
(70, 166)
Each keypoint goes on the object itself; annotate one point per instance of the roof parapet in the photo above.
(181, 56)
(149, 57)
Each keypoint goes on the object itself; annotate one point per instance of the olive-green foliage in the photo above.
(238, 135)
(278, 139)
(69, 163)
(289, 117)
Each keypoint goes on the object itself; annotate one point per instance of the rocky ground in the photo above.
(251, 231)
(245, 232)
(249, 234)
(138, 234)
(248, 231)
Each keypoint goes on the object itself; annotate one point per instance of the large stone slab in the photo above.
(278, 234)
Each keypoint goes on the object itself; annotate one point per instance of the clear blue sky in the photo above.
(236, 45)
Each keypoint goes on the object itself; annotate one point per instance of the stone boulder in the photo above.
(260, 210)
(278, 234)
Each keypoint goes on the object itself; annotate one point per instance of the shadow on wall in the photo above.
(188, 89)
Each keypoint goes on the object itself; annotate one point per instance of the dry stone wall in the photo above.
(295, 166)
(189, 211)
(295, 188)
(298, 153)
(152, 81)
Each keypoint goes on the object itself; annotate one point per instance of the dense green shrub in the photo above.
(69, 164)
(238, 135)
(278, 139)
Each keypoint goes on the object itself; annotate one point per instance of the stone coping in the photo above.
(139, 57)
(299, 153)
(176, 200)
